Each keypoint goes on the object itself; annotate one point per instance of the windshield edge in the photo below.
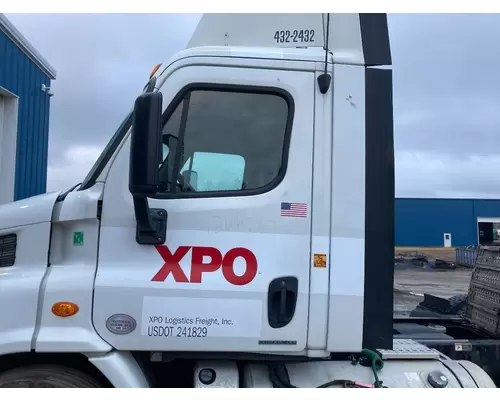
(113, 143)
(107, 153)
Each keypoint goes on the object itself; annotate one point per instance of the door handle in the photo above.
(282, 301)
(282, 314)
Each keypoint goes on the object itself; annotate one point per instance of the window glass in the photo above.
(229, 141)
(209, 172)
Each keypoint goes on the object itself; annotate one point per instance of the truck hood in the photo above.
(32, 210)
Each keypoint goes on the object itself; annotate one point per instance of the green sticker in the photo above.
(78, 239)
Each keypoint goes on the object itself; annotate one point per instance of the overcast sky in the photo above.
(446, 92)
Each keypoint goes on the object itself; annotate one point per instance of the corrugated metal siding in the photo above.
(422, 222)
(486, 208)
(19, 75)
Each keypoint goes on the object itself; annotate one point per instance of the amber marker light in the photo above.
(64, 309)
(154, 70)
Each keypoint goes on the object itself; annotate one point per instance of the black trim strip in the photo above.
(375, 39)
(379, 210)
(238, 89)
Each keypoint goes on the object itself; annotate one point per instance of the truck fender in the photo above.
(120, 368)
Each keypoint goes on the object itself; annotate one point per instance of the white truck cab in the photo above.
(243, 211)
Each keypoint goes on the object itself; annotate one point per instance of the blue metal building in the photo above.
(426, 222)
(24, 115)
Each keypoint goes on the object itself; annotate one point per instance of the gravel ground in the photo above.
(410, 285)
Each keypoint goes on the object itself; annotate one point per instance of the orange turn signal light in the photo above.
(64, 309)
(154, 70)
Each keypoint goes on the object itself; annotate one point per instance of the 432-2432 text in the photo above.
(294, 36)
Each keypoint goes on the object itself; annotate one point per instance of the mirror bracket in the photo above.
(151, 223)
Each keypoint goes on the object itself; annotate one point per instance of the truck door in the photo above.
(233, 273)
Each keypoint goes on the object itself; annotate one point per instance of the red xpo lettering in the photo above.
(198, 267)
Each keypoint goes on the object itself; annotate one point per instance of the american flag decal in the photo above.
(298, 210)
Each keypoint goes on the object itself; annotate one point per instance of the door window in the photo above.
(225, 141)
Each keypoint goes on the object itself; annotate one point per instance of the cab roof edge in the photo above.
(361, 39)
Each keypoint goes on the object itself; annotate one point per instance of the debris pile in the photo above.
(414, 259)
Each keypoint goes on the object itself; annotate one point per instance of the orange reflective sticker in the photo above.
(319, 261)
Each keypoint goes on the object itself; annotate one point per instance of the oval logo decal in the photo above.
(121, 324)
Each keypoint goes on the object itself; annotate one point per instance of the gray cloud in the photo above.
(103, 61)
(446, 91)
(446, 104)
(447, 85)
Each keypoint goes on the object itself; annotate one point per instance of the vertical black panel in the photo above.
(379, 209)
(375, 39)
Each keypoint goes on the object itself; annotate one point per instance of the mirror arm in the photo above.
(151, 222)
(142, 216)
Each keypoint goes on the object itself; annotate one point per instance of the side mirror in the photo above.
(191, 177)
(144, 179)
(145, 145)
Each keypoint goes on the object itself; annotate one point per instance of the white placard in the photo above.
(198, 318)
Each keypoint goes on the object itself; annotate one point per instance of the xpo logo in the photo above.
(217, 261)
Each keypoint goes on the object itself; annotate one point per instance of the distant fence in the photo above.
(466, 256)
